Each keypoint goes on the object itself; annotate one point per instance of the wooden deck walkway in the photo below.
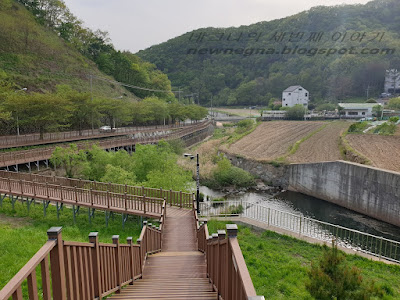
(179, 270)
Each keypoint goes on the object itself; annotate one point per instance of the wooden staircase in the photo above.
(179, 270)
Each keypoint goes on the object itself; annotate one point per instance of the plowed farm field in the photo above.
(322, 146)
(272, 140)
(382, 151)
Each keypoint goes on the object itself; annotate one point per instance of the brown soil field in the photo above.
(272, 139)
(240, 111)
(322, 146)
(382, 151)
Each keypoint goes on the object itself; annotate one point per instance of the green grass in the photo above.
(22, 235)
(278, 264)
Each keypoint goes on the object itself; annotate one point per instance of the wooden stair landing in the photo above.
(179, 271)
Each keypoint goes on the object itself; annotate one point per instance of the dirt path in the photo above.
(382, 151)
(322, 146)
(272, 139)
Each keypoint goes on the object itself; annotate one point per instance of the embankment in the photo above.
(367, 190)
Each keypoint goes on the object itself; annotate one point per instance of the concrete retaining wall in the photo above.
(270, 174)
(367, 190)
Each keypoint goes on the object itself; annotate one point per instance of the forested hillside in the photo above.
(252, 64)
(43, 45)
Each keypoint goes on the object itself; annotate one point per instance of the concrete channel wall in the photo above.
(367, 190)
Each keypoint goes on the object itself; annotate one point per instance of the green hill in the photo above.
(43, 45)
(34, 57)
(235, 67)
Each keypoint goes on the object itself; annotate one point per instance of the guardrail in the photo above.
(226, 267)
(304, 226)
(57, 137)
(83, 270)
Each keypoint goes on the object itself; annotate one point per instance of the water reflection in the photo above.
(314, 208)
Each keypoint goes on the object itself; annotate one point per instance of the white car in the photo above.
(105, 129)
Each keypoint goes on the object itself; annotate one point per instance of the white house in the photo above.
(358, 110)
(295, 95)
(392, 81)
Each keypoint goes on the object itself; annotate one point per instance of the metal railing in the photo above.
(304, 226)
(83, 270)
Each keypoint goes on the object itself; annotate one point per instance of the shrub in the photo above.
(358, 127)
(244, 125)
(225, 174)
(296, 112)
(332, 278)
(385, 129)
(233, 210)
(394, 119)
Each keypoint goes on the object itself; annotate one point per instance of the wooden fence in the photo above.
(76, 270)
(226, 267)
(33, 155)
(175, 198)
(72, 195)
(58, 137)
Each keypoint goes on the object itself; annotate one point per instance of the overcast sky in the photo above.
(138, 24)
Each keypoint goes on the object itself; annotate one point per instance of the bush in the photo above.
(332, 278)
(244, 125)
(225, 175)
(233, 210)
(385, 129)
(358, 127)
(296, 112)
(394, 119)
(177, 146)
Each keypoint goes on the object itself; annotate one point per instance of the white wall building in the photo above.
(392, 82)
(295, 95)
(358, 110)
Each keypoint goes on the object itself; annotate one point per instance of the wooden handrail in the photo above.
(83, 270)
(11, 287)
(56, 137)
(103, 200)
(226, 266)
(25, 156)
(174, 198)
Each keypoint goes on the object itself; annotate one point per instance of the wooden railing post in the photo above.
(94, 238)
(131, 258)
(215, 264)
(115, 239)
(57, 264)
(232, 233)
(149, 234)
(222, 271)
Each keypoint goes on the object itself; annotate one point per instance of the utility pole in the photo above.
(91, 97)
(179, 93)
(198, 185)
(368, 92)
(212, 115)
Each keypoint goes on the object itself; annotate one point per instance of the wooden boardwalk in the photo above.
(179, 270)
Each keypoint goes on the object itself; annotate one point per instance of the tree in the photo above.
(377, 110)
(296, 112)
(42, 112)
(332, 278)
(69, 158)
(114, 111)
(394, 103)
(84, 110)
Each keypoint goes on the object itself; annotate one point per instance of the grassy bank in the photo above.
(22, 235)
(278, 264)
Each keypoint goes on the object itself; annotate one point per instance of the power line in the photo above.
(133, 86)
